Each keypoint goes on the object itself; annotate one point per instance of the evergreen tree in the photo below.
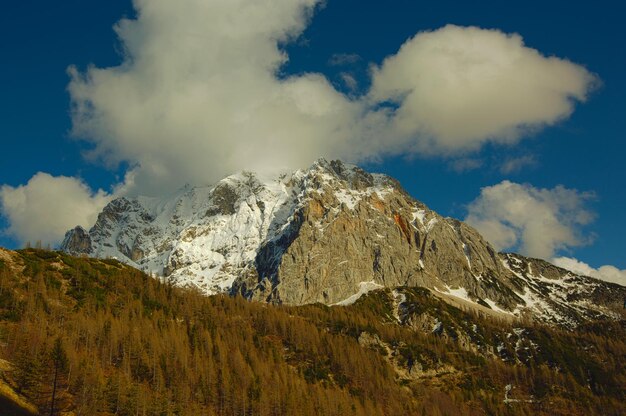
(58, 359)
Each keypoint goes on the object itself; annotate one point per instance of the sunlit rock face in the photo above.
(329, 234)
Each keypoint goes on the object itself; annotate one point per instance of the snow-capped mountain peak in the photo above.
(322, 235)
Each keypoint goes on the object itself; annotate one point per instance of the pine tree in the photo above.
(59, 361)
(28, 371)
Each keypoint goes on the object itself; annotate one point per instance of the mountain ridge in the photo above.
(328, 234)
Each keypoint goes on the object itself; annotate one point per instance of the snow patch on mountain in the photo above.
(364, 287)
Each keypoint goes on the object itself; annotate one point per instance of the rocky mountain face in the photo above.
(329, 234)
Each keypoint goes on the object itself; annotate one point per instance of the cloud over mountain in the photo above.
(537, 222)
(46, 207)
(607, 273)
(199, 95)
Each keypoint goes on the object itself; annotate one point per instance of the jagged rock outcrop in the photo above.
(77, 241)
(347, 232)
(327, 234)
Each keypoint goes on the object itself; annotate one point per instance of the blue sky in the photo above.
(582, 152)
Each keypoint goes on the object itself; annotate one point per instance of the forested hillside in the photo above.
(95, 337)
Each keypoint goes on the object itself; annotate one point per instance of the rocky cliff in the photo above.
(329, 234)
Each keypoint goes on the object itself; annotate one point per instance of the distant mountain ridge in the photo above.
(329, 234)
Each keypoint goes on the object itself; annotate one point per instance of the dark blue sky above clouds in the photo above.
(583, 153)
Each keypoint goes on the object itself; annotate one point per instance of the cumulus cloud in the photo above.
(46, 207)
(462, 86)
(607, 273)
(200, 94)
(537, 222)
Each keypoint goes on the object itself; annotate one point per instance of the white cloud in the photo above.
(47, 206)
(516, 164)
(342, 59)
(463, 86)
(606, 273)
(199, 95)
(537, 222)
(465, 164)
(349, 81)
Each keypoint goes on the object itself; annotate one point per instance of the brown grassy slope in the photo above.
(137, 346)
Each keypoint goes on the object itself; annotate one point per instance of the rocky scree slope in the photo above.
(329, 234)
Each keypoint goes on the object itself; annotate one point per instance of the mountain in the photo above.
(329, 234)
(97, 337)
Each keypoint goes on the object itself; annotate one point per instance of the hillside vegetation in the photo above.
(96, 337)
